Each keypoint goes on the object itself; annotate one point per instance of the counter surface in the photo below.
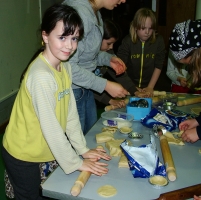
(186, 159)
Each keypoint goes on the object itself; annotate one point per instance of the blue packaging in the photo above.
(138, 112)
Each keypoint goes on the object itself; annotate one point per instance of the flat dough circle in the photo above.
(107, 191)
(196, 110)
(125, 129)
(158, 180)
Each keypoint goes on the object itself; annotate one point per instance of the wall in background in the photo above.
(19, 40)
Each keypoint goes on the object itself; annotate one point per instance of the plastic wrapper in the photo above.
(170, 119)
(143, 160)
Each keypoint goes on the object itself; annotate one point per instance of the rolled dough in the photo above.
(107, 191)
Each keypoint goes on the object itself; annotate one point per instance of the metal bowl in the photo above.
(168, 105)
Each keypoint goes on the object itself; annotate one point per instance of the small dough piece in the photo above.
(178, 134)
(196, 110)
(172, 140)
(104, 137)
(125, 129)
(123, 162)
(200, 151)
(114, 147)
(107, 191)
(158, 180)
(109, 129)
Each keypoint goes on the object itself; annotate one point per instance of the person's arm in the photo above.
(154, 78)
(42, 87)
(124, 49)
(158, 63)
(172, 72)
(124, 80)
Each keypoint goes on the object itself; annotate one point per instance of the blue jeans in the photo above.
(86, 107)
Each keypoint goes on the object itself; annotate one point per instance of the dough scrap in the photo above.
(158, 180)
(178, 134)
(107, 191)
(200, 151)
(125, 129)
(109, 129)
(196, 110)
(104, 137)
(114, 147)
(123, 161)
(172, 140)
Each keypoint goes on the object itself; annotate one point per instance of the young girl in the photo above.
(178, 74)
(45, 109)
(143, 51)
(185, 46)
(88, 56)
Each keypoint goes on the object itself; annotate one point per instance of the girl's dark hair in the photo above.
(67, 14)
(111, 29)
(52, 15)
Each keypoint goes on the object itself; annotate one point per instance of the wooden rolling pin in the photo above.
(111, 107)
(159, 93)
(182, 194)
(81, 181)
(189, 101)
(167, 158)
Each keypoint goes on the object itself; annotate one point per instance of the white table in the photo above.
(186, 158)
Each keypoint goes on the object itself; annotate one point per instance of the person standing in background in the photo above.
(88, 56)
(111, 34)
(44, 124)
(143, 51)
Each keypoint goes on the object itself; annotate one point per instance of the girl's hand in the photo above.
(97, 168)
(117, 103)
(196, 197)
(96, 154)
(182, 81)
(118, 65)
(188, 124)
(149, 90)
(142, 94)
(190, 135)
(115, 89)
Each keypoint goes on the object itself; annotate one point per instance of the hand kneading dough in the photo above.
(123, 161)
(104, 137)
(107, 191)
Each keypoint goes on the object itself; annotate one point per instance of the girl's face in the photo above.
(57, 47)
(185, 60)
(145, 32)
(107, 44)
(111, 4)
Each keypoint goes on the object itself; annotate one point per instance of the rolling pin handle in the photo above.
(172, 175)
(76, 189)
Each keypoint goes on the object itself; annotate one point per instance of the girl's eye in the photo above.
(62, 38)
(75, 39)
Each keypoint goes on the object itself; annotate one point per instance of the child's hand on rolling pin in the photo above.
(97, 168)
(190, 135)
(188, 124)
(96, 154)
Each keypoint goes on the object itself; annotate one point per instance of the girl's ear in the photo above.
(45, 37)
